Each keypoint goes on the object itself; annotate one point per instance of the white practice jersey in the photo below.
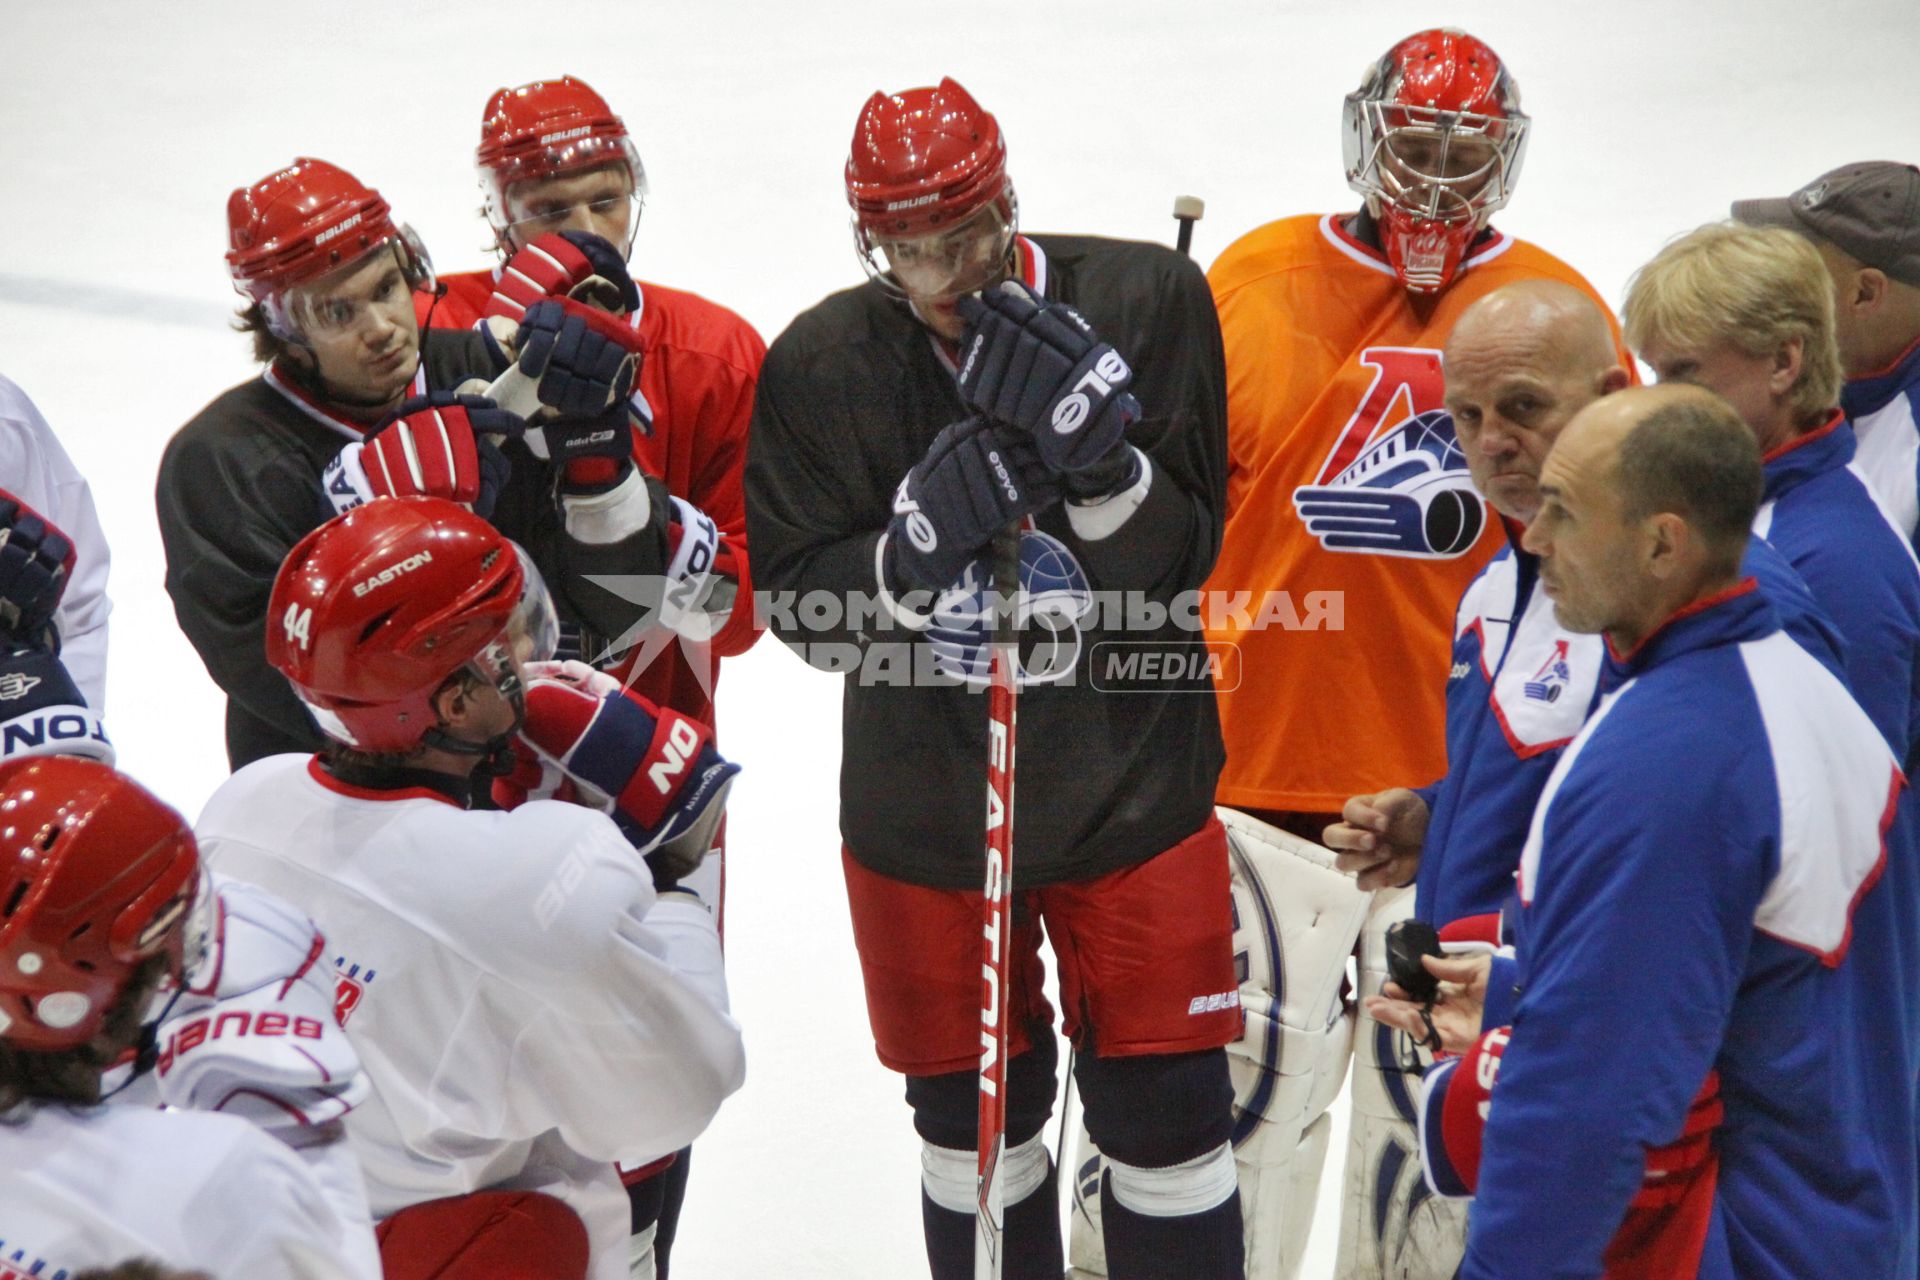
(35, 469)
(88, 1187)
(253, 1033)
(526, 1010)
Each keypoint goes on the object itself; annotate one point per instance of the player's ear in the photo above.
(453, 702)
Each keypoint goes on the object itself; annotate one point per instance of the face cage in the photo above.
(416, 268)
(1431, 196)
(495, 182)
(873, 254)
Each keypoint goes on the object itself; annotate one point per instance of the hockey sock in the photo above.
(1180, 1223)
(1032, 1237)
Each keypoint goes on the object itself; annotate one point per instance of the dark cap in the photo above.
(1870, 211)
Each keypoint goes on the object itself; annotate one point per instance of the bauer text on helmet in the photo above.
(934, 214)
(553, 156)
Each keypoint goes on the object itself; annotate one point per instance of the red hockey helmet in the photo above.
(96, 876)
(544, 130)
(306, 221)
(372, 611)
(1434, 138)
(924, 162)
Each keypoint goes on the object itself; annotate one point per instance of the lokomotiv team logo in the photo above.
(1550, 681)
(1395, 482)
(350, 985)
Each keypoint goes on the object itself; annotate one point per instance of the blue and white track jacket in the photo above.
(1687, 891)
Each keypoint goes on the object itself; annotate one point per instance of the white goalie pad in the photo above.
(1391, 1225)
(1295, 920)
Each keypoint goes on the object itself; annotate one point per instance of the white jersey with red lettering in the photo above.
(85, 1187)
(252, 1032)
(526, 1009)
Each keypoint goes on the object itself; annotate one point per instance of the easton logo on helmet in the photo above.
(391, 572)
(331, 232)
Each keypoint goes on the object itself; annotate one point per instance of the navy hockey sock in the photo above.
(1032, 1236)
(1193, 1246)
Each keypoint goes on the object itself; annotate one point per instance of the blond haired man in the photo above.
(1864, 219)
(1748, 312)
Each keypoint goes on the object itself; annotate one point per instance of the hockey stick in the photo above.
(990, 1217)
(1187, 210)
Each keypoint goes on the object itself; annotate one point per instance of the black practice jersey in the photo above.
(240, 484)
(1113, 765)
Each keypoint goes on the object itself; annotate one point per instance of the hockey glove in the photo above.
(653, 770)
(1054, 596)
(584, 359)
(42, 713)
(975, 478)
(36, 561)
(440, 445)
(564, 264)
(1039, 366)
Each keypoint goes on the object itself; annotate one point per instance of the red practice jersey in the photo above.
(698, 370)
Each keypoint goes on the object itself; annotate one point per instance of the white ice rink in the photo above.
(124, 125)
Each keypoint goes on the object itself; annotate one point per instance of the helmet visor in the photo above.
(964, 258)
(342, 301)
(534, 627)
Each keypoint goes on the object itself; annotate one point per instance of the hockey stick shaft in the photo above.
(989, 1253)
(1187, 210)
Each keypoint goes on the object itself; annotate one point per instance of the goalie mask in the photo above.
(1434, 138)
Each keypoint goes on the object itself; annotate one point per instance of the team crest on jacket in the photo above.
(348, 989)
(1395, 482)
(1550, 681)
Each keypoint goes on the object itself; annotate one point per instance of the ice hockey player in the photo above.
(250, 1027)
(329, 276)
(871, 477)
(1644, 983)
(1865, 220)
(1348, 487)
(563, 190)
(99, 878)
(38, 472)
(512, 981)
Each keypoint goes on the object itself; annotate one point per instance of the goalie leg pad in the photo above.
(1296, 917)
(1295, 921)
(1392, 1227)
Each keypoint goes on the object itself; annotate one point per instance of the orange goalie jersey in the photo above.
(1352, 524)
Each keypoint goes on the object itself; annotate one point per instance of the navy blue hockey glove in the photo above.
(1054, 597)
(42, 713)
(584, 359)
(1039, 366)
(441, 445)
(975, 478)
(564, 264)
(36, 560)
